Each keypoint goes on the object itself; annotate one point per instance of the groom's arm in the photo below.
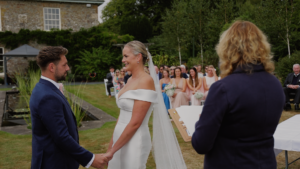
(52, 115)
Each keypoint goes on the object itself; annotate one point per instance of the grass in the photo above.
(5, 89)
(14, 147)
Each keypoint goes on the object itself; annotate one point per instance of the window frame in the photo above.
(44, 16)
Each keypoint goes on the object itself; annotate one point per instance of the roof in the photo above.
(24, 50)
(77, 1)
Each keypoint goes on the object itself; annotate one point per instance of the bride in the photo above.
(130, 145)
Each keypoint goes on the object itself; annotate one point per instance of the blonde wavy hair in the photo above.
(242, 44)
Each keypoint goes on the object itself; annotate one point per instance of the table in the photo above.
(287, 137)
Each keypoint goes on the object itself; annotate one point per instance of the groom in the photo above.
(55, 140)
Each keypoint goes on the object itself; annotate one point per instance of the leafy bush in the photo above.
(164, 59)
(284, 65)
(98, 61)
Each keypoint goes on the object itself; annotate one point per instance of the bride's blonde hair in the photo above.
(243, 43)
(138, 47)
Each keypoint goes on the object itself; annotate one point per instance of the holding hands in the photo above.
(100, 161)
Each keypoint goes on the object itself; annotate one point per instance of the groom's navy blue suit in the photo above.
(55, 141)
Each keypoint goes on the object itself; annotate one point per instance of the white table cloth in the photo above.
(287, 135)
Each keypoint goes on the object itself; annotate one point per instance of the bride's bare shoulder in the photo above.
(146, 82)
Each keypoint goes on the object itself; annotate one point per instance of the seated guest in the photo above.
(110, 77)
(172, 71)
(243, 109)
(166, 67)
(127, 77)
(161, 69)
(199, 70)
(210, 78)
(119, 80)
(158, 74)
(163, 83)
(180, 97)
(194, 84)
(292, 85)
(205, 71)
(183, 70)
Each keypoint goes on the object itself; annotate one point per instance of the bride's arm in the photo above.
(139, 112)
(111, 140)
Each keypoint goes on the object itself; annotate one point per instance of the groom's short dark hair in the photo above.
(50, 54)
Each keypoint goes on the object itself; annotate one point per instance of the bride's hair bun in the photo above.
(138, 47)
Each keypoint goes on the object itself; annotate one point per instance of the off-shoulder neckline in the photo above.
(134, 90)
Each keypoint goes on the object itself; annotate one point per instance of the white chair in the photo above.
(170, 102)
(111, 92)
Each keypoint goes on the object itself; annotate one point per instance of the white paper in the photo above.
(189, 115)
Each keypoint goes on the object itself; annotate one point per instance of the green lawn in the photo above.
(15, 151)
(5, 89)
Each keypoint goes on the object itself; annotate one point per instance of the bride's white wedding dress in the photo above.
(134, 154)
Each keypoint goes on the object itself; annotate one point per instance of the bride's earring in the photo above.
(138, 62)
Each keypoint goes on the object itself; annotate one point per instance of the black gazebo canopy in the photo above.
(22, 51)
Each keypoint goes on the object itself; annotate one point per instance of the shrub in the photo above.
(98, 61)
(163, 59)
(284, 65)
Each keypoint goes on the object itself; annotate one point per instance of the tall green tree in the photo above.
(283, 25)
(174, 26)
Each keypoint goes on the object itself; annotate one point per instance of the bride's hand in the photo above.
(109, 155)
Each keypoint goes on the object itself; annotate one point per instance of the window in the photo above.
(1, 59)
(51, 18)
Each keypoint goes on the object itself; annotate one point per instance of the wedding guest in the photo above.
(205, 71)
(180, 97)
(243, 109)
(110, 77)
(158, 74)
(166, 67)
(163, 83)
(209, 79)
(172, 71)
(183, 70)
(194, 84)
(199, 70)
(127, 77)
(292, 85)
(115, 81)
(161, 69)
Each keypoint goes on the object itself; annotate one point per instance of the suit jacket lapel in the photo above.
(55, 89)
(291, 78)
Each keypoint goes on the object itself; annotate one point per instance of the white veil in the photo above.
(166, 150)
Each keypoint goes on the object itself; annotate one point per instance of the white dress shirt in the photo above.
(56, 84)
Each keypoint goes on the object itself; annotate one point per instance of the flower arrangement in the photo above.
(170, 90)
(199, 95)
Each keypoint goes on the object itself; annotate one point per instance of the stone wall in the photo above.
(16, 15)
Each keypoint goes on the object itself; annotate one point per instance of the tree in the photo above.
(174, 26)
(142, 29)
(196, 12)
(284, 22)
(118, 10)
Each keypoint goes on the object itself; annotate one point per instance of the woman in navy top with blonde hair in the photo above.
(241, 111)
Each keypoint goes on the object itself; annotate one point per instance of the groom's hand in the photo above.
(99, 161)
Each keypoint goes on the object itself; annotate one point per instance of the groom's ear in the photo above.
(51, 67)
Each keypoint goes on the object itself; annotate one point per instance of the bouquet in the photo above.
(170, 89)
(199, 95)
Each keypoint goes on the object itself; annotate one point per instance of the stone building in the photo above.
(44, 15)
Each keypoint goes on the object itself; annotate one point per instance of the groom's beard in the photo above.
(60, 77)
